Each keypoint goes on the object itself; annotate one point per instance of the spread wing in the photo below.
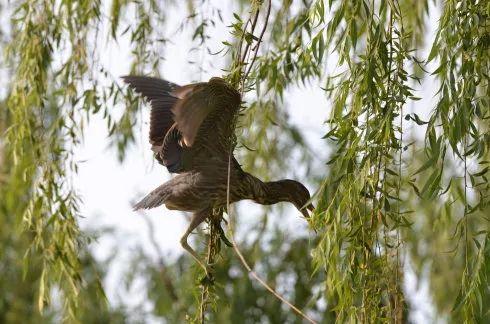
(186, 121)
(159, 93)
(206, 116)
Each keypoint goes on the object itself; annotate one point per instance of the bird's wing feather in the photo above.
(159, 93)
(190, 112)
(200, 115)
(171, 151)
(206, 114)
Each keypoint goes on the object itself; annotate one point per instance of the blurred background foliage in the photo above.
(401, 181)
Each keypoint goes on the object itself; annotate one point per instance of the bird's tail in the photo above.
(154, 199)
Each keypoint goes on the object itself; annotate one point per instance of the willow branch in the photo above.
(245, 263)
(263, 283)
(254, 23)
(235, 247)
(240, 43)
(259, 41)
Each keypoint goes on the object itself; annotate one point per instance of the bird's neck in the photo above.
(266, 193)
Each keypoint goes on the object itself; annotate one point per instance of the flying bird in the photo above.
(192, 129)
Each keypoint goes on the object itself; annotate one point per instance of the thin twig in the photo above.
(259, 41)
(240, 43)
(264, 284)
(242, 258)
(254, 23)
(230, 153)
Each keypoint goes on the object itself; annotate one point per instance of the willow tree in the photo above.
(388, 198)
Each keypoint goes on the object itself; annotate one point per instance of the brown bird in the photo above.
(192, 133)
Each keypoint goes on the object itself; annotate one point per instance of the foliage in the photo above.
(239, 299)
(406, 184)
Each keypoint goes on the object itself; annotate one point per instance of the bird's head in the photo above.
(298, 195)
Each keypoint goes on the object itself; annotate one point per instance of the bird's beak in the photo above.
(306, 209)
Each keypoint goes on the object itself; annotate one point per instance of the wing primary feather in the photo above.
(206, 111)
(149, 87)
(158, 93)
(200, 115)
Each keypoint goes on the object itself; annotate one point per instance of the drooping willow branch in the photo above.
(237, 79)
(248, 66)
(262, 282)
(241, 61)
(242, 258)
(259, 41)
(242, 64)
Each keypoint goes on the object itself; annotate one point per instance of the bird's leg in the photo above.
(197, 218)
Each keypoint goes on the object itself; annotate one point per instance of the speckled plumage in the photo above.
(192, 134)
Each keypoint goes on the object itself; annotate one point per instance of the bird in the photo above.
(192, 134)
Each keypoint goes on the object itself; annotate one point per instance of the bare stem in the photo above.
(256, 50)
(264, 284)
